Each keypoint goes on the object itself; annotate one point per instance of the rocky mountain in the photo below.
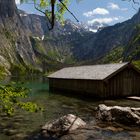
(58, 44)
(26, 43)
(15, 46)
(109, 38)
(36, 24)
(80, 43)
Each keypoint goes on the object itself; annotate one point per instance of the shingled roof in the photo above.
(93, 72)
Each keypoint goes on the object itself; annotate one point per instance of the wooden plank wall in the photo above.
(90, 87)
(125, 83)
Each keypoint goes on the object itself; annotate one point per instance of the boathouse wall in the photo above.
(121, 83)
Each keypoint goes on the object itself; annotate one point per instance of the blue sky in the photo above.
(90, 11)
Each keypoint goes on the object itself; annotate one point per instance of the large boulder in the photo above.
(123, 115)
(62, 126)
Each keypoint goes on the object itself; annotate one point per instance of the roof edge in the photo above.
(125, 64)
(128, 64)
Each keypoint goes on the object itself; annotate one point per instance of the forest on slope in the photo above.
(27, 45)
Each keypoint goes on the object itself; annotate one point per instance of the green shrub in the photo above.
(11, 98)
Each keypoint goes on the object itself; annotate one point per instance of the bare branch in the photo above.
(68, 10)
(35, 6)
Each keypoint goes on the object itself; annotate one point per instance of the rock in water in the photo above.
(62, 125)
(123, 115)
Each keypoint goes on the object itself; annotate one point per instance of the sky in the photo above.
(90, 11)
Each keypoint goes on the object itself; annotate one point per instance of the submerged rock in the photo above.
(10, 132)
(96, 133)
(19, 136)
(62, 126)
(123, 115)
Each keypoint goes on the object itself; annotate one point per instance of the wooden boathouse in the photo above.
(102, 81)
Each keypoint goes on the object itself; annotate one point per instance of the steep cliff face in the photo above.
(35, 23)
(7, 8)
(15, 45)
(56, 45)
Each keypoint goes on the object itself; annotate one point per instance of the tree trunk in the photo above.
(7, 8)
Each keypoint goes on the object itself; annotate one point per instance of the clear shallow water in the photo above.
(56, 105)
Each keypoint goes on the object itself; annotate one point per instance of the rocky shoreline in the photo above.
(111, 121)
(71, 127)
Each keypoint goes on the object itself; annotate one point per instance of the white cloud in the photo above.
(103, 20)
(17, 1)
(97, 11)
(113, 6)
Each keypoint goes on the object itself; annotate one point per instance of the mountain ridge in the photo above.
(26, 42)
(92, 48)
